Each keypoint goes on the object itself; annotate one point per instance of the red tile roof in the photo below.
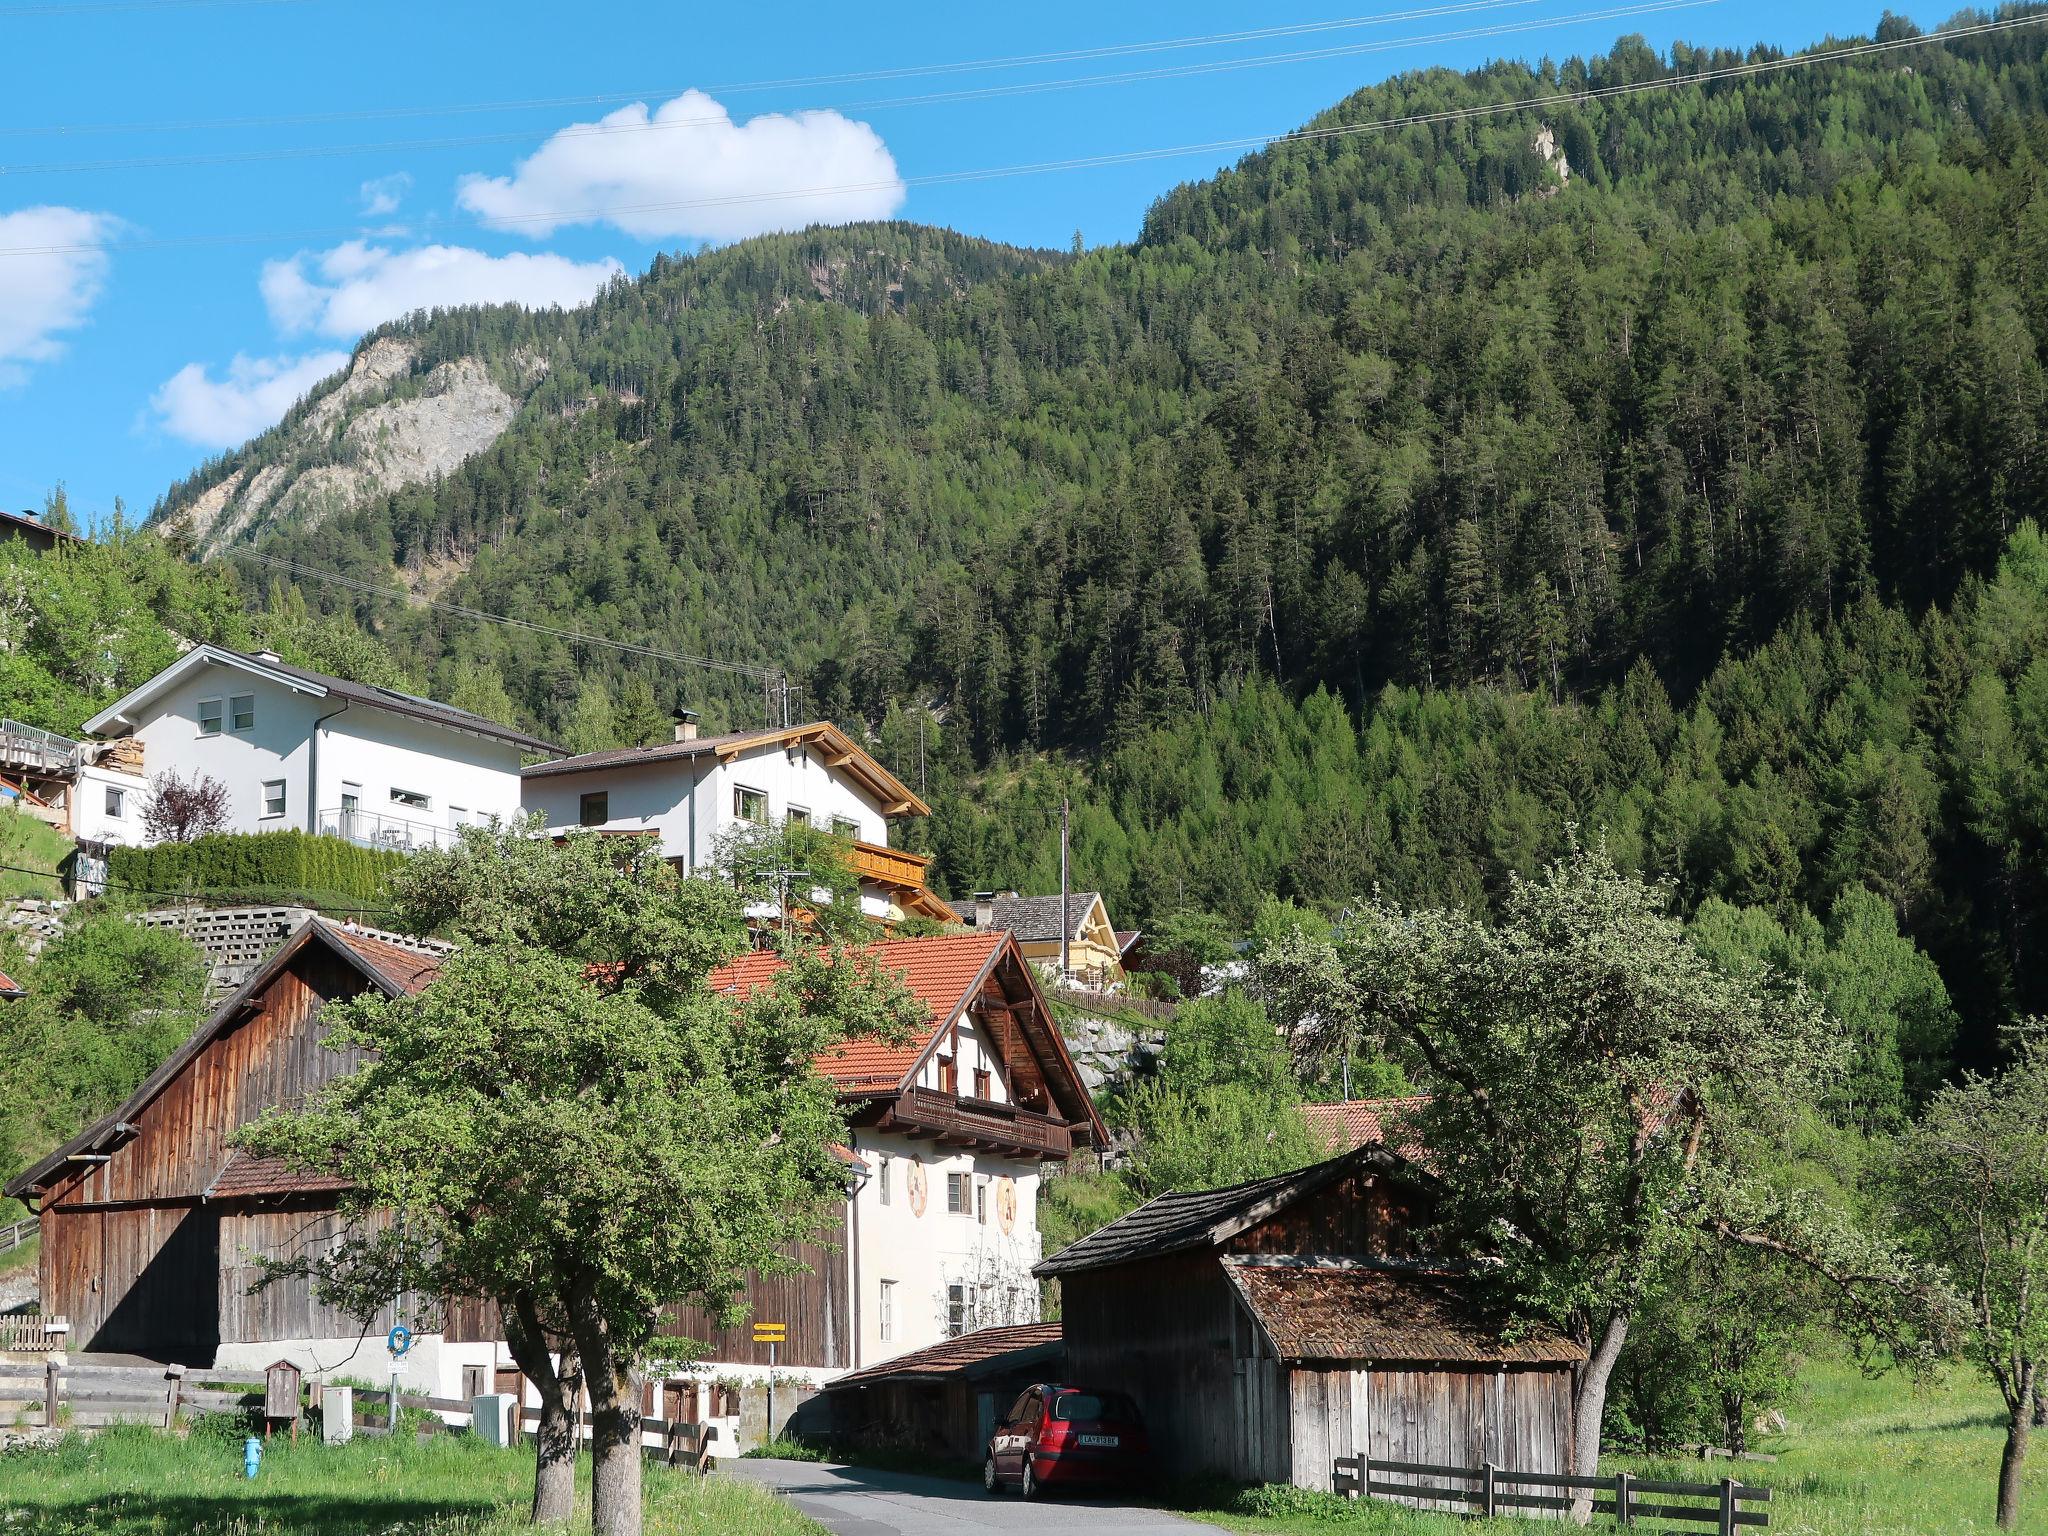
(942, 972)
(244, 1177)
(1334, 1311)
(9, 987)
(1366, 1122)
(960, 1356)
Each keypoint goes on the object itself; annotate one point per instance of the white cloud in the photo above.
(51, 285)
(690, 171)
(357, 286)
(383, 195)
(224, 413)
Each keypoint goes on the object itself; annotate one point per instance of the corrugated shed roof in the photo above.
(245, 1177)
(1175, 1222)
(971, 1354)
(1360, 1312)
(1366, 1122)
(1034, 919)
(942, 971)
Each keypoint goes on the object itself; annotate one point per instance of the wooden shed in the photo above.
(152, 1224)
(942, 1399)
(1269, 1328)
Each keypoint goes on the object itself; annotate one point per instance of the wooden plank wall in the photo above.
(1365, 1215)
(1329, 1412)
(1265, 1417)
(814, 1305)
(1176, 1361)
(1518, 1418)
(284, 1309)
(126, 1278)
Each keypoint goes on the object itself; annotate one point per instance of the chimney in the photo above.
(984, 909)
(686, 725)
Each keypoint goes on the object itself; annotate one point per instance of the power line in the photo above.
(978, 93)
(94, 7)
(791, 82)
(1136, 156)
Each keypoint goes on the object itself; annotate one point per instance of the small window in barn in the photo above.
(845, 826)
(412, 799)
(956, 1194)
(117, 803)
(882, 1187)
(209, 717)
(887, 1310)
(242, 712)
(273, 797)
(956, 1310)
(594, 809)
(750, 804)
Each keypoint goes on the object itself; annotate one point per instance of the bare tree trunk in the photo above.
(1589, 1406)
(557, 1384)
(614, 1432)
(2019, 1428)
(2040, 1401)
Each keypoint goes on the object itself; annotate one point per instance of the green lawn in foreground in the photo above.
(1864, 1458)
(132, 1481)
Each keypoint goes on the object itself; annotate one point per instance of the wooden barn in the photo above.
(942, 1399)
(152, 1224)
(1267, 1329)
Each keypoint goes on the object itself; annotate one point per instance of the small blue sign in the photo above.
(398, 1341)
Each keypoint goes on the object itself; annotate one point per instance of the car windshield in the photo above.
(1082, 1406)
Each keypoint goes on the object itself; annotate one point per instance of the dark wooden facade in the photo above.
(813, 1304)
(1228, 1388)
(136, 1252)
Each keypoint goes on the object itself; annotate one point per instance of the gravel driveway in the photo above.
(854, 1501)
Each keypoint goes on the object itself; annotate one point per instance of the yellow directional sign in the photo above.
(771, 1333)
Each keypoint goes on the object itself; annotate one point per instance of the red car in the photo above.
(1064, 1437)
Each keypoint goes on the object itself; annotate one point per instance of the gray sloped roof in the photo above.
(408, 704)
(1175, 1222)
(1035, 919)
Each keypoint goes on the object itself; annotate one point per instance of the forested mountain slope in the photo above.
(1738, 379)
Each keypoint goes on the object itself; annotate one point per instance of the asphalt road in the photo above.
(854, 1501)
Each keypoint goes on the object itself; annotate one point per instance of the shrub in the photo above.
(294, 861)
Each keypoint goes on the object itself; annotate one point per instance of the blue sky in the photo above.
(292, 191)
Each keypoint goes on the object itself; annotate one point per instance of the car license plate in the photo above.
(1106, 1440)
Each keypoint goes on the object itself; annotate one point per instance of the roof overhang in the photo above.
(842, 752)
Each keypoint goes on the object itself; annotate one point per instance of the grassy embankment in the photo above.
(137, 1482)
(1863, 1458)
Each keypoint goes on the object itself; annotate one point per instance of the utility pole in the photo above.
(1066, 927)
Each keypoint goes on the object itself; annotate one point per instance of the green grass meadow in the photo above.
(138, 1482)
(1863, 1457)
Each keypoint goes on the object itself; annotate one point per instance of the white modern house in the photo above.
(299, 749)
(690, 791)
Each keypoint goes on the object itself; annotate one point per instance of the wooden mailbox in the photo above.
(281, 1383)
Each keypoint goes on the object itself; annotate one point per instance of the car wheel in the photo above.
(989, 1480)
(1029, 1486)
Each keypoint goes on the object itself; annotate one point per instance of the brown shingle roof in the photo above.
(1337, 1311)
(968, 1355)
(408, 970)
(245, 1176)
(1034, 919)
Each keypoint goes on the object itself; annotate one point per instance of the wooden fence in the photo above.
(15, 1233)
(1489, 1489)
(32, 1333)
(54, 1392)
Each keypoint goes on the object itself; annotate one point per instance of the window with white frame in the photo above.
(956, 1309)
(886, 1311)
(242, 712)
(981, 1201)
(750, 804)
(412, 799)
(957, 1195)
(845, 826)
(117, 803)
(798, 816)
(209, 717)
(273, 797)
(882, 1179)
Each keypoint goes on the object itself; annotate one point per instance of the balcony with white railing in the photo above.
(372, 829)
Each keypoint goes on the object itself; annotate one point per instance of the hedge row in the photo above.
(238, 861)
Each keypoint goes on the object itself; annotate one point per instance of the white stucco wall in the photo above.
(373, 748)
(657, 796)
(90, 819)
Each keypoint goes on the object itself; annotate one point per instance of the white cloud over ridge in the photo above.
(688, 170)
(255, 394)
(51, 285)
(357, 286)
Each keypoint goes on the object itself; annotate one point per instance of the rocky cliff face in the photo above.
(386, 425)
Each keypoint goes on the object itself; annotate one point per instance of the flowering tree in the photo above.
(181, 811)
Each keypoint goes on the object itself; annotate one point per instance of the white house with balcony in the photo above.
(299, 749)
(691, 790)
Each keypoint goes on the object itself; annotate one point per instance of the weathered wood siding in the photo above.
(288, 1308)
(812, 1304)
(1162, 1330)
(127, 1245)
(1363, 1216)
(1518, 1418)
(1329, 1413)
(1261, 1397)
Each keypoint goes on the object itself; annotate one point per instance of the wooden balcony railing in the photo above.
(897, 867)
(927, 1111)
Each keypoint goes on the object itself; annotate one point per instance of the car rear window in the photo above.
(1073, 1406)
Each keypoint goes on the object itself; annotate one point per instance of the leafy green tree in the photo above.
(571, 1123)
(1970, 1188)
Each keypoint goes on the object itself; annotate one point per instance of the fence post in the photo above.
(1622, 1516)
(177, 1376)
(1489, 1495)
(1727, 1506)
(52, 1364)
